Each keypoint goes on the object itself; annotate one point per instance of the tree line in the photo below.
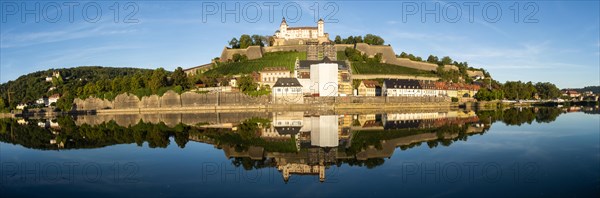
(517, 90)
(246, 40)
(370, 39)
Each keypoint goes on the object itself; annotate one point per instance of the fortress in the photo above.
(300, 35)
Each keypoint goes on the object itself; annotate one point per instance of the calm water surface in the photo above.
(513, 152)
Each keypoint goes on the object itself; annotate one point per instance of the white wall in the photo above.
(325, 76)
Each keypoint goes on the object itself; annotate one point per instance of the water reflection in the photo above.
(295, 143)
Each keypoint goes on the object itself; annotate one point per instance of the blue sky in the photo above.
(555, 41)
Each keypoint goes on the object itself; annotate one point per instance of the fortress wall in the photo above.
(126, 101)
(252, 52)
(170, 100)
(92, 103)
(152, 101)
(472, 73)
(190, 99)
(242, 99)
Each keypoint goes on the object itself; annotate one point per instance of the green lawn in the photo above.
(271, 59)
(383, 68)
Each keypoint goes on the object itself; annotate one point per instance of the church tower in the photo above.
(283, 28)
(321, 27)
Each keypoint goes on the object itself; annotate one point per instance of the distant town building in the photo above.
(369, 88)
(402, 87)
(42, 101)
(55, 74)
(286, 91)
(269, 75)
(21, 106)
(53, 99)
(571, 93)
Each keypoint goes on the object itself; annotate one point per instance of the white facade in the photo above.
(287, 91)
(52, 100)
(43, 101)
(325, 77)
(286, 32)
(21, 106)
(324, 131)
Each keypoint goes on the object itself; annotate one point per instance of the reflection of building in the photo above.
(324, 131)
(427, 120)
(301, 169)
(285, 125)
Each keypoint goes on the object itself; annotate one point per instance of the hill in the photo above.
(30, 87)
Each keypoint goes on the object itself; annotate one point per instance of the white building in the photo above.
(325, 77)
(53, 99)
(287, 91)
(269, 75)
(286, 35)
(286, 32)
(21, 106)
(410, 88)
(42, 100)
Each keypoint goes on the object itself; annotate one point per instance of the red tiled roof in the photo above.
(370, 83)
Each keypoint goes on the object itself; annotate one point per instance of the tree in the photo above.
(350, 40)
(432, 59)
(65, 102)
(373, 39)
(158, 79)
(239, 58)
(358, 39)
(338, 39)
(234, 43)
(245, 41)
(446, 60)
(247, 84)
(258, 40)
(403, 55)
(547, 90)
(2, 104)
(180, 78)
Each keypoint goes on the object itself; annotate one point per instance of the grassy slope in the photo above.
(272, 59)
(287, 59)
